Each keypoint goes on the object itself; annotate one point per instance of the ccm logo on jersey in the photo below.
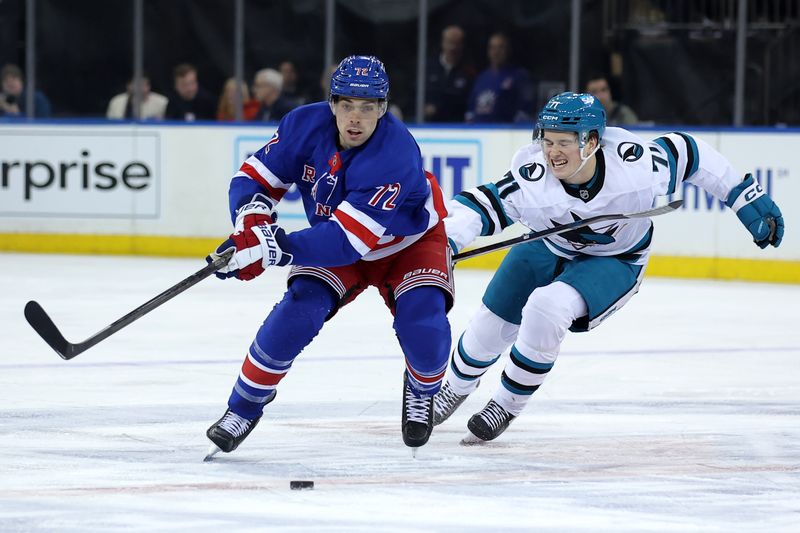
(630, 152)
(532, 172)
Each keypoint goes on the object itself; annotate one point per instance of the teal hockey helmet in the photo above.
(579, 113)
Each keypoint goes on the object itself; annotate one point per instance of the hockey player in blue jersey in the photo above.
(376, 219)
(576, 168)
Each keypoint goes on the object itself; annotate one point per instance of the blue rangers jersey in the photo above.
(630, 174)
(366, 202)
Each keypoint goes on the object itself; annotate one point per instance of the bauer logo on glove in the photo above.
(255, 249)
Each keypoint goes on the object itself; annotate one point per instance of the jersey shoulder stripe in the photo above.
(490, 190)
(486, 202)
(467, 199)
(362, 232)
(254, 169)
(692, 155)
(682, 155)
(507, 185)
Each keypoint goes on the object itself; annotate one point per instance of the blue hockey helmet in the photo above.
(580, 113)
(360, 77)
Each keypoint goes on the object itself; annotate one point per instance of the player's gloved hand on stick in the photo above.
(254, 249)
(257, 211)
(757, 212)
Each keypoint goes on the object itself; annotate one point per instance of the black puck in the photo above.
(301, 485)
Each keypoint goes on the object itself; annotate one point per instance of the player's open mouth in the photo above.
(558, 163)
(353, 133)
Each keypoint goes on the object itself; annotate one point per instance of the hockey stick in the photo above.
(48, 331)
(536, 235)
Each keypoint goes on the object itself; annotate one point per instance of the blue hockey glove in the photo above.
(254, 250)
(757, 212)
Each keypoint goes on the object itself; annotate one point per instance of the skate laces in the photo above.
(494, 415)
(417, 409)
(234, 424)
(447, 398)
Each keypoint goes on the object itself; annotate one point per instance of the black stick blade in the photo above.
(47, 330)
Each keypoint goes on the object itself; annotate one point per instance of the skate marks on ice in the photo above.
(727, 463)
(655, 441)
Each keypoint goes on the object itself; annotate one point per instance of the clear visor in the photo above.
(578, 138)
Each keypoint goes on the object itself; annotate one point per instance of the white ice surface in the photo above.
(681, 413)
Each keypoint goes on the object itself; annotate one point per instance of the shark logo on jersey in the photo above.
(532, 172)
(584, 237)
(630, 152)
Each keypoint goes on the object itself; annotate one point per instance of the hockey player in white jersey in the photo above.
(575, 168)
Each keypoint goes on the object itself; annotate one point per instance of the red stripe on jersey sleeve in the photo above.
(274, 192)
(438, 199)
(357, 228)
(259, 376)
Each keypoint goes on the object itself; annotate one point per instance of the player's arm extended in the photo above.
(692, 160)
(480, 211)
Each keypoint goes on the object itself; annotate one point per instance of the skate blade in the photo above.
(471, 440)
(212, 451)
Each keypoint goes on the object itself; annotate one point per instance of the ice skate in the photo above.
(445, 403)
(487, 424)
(417, 417)
(229, 431)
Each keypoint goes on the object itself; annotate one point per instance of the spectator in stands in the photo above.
(324, 88)
(503, 92)
(617, 114)
(267, 90)
(226, 108)
(154, 105)
(13, 98)
(292, 88)
(449, 79)
(188, 100)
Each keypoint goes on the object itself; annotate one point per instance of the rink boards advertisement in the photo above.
(162, 189)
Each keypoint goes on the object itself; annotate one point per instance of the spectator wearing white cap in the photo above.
(267, 87)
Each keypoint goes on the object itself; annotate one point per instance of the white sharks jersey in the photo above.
(630, 174)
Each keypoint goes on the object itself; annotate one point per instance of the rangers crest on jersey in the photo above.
(322, 191)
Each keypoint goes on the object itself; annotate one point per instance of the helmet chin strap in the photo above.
(584, 160)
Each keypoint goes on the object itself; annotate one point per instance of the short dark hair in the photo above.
(596, 76)
(11, 71)
(183, 69)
